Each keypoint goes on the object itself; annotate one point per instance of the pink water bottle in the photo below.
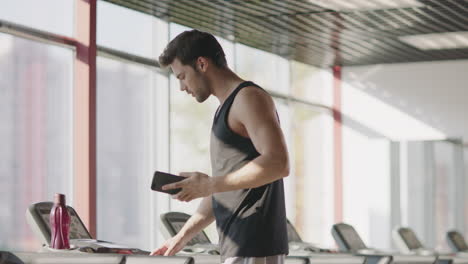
(59, 223)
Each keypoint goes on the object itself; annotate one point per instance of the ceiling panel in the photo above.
(312, 34)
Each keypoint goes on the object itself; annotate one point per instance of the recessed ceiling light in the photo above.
(438, 41)
(343, 5)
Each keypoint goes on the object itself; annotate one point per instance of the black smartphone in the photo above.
(161, 178)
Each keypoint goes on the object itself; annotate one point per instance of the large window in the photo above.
(434, 190)
(132, 128)
(311, 83)
(366, 186)
(417, 183)
(137, 34)
(126, 148)
(268, 70)
(35, 135)
(311, 155)
(54, 16)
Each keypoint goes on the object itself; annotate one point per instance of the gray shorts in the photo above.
(278, 259)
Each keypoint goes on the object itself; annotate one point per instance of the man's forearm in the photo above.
(201, 219)
(258, 172)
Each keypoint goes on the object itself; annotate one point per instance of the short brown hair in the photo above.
(189, 45)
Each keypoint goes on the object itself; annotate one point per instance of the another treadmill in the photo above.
(348, 240)
(407, 241)
(84, 249)
(84, 258)
(201, 245)
(457, 243)
(297, 245)
(37, 217)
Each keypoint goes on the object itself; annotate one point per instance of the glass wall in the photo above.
(366, 186)
(137, 34)
(311, 84)
(35, 135)
(56, 16)
(435, 190)
(367, 165)
(125, 150)
(311, 153)
(132, 128)
(268, 70)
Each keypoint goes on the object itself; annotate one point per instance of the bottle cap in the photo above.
(59, 198)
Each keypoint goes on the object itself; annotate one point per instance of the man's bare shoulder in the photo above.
(254, 95)
(253, 100)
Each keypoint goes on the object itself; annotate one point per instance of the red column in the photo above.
(335, 45)
(338, 148)
(85, 113)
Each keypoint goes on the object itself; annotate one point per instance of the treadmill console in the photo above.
(406, 240)
(299, 247)
(173, 223)
(37, 216)
(456, 241)
(347, 238)
(9, 258)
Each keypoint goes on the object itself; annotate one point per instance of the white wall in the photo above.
(435, 93)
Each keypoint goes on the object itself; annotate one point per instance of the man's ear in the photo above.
(202, 64)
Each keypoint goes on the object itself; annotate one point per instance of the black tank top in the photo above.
(250, 222)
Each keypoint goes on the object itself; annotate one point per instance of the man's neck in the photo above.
(223, 82)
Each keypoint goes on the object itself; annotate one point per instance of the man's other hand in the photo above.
(170, 247)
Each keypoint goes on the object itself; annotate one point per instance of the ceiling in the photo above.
(321, 36)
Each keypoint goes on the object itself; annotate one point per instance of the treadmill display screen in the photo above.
(352, 238)
(410, 239)
(459, 241)
(198, 239)
(77, 230)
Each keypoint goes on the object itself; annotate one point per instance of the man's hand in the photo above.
(170, 247)
(195, 186)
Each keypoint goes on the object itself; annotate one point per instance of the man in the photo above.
(248, 156)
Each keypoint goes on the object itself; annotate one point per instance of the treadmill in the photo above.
(84, 248)
(201, 246)
(457, 243)
(37, 217)
(297, 245)
(348, 240)
(83, 258)
(174, 221)
(407, 241)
